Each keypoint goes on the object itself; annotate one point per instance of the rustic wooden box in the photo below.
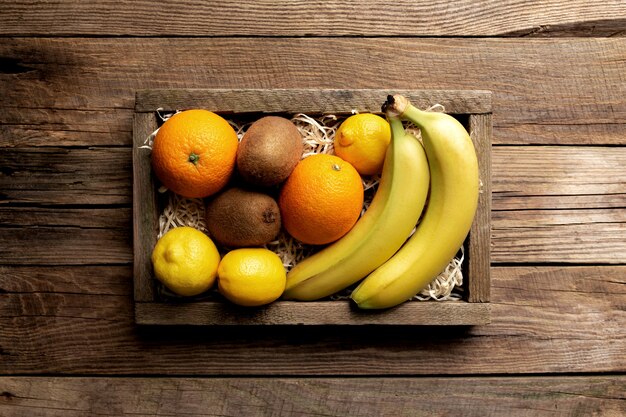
(474, 107)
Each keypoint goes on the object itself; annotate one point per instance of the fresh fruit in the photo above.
(251, 276)
(194, 153)
(239, 217)
(362, 139)
(381, 231)
(447, 218)
(269, 151)
(185, 260)
(321, 200)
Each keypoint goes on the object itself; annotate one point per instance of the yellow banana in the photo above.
(448, 216)
(379, 233)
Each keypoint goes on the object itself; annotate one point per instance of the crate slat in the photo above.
(307, 100)
(480, 232)
(145, 215)
(455, 313)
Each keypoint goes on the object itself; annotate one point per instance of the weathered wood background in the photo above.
(557, 342)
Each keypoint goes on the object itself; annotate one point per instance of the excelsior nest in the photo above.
(318, 135)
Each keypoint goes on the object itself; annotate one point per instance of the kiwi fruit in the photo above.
(242, 218)
(269, 151)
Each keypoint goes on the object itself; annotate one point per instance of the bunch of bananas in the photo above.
(380, 250)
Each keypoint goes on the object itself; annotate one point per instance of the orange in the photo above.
(362, 139)
(194, 153)
(321, 199)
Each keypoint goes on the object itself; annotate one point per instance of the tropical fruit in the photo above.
(269, 151)
(238, 218)
(447, 218)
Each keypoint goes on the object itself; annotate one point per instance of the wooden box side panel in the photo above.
(145, 211)
(479, 256)
(210, 313)
(312, 101)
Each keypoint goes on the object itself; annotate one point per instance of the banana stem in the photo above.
(397, 128)
(395, 105)
(400, 107)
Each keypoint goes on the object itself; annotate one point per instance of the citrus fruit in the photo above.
(362, 139)
(194, 153)
(185, 260)
(251, 276)
(321, 200)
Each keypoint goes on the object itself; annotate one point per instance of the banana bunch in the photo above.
(448, 216)
(378, 247)
(379, 233)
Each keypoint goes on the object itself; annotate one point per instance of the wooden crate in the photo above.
(152, 308)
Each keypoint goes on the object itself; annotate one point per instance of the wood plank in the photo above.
(311, 313)
(479, 253)
(65, 236)
(51, 245)
(581, 99)
(577, 236)
(559, 319)
(51, 175)
(145, 209)
(310, 101)
(562, 171)
(480, 397)
(84, 218)
(549, 221)
(301, 18)
(567, 133)
(24, 126)
(67, 279)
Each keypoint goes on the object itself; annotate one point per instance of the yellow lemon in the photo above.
(251, 276)
(362, 139)
(185, 260)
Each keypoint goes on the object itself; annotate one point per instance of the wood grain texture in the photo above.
(54, 175)
(145, 209)
(550, 204)
(302, 18)
(558, 319)
(479, 253)
(222, 313)
(576, 236)
(66, 279)
(565, 91)
(24, 126)
(310, 101)
(66, 123)
(468, 396)
(545, 225)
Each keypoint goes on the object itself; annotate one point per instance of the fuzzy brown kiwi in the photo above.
(269, 151)
(242, 218)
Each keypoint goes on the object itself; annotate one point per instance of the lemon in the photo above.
(251, 276)
(362, 139)
(185, 260)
